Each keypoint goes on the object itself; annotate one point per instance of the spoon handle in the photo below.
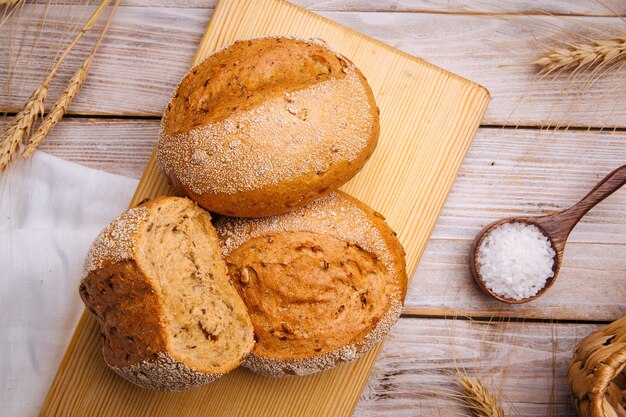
(561, 224)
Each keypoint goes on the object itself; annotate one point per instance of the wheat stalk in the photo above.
(8, 3)
(60, 107)
(583, 56)
(23, 121)
(477, 398)
(21, 124)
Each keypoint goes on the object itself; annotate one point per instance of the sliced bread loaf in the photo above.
(154, 278)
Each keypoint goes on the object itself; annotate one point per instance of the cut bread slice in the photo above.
(171, 318)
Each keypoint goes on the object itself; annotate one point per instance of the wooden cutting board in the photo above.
(428, 118)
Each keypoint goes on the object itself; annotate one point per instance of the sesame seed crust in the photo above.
(116, 242)
(163, 373)
(270, 144)
(355, 226)
(282, 142)
(344, 218)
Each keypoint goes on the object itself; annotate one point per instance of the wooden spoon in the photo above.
(556, 227)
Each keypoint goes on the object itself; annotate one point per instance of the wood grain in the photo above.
(557, 7)
(559, 225)
(523, 364)
(117, 146)
(146, 49)
(428, 118)
(507, 172)
(531, 172)
(556, 227)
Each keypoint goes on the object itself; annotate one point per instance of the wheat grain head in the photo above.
(583, 56)
(21, 124)
(477, 398)
(59, 108)
(19, 128)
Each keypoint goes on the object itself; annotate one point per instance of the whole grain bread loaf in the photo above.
(323, 284)
(170, 317)
(267, 125)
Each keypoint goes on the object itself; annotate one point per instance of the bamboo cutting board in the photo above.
(428, 118)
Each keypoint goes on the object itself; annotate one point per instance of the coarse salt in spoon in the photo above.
(516, 260)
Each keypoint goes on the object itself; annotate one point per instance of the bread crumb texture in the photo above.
(169, 315)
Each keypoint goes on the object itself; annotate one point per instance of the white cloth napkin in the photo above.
(50, 211)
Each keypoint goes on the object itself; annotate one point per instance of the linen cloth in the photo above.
(50, 212)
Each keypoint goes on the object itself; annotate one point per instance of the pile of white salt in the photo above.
(515, 260)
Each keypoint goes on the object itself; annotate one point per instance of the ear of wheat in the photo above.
(58, 108)
(583, 56)
(21, 124)
(19, 128)
(477, 398)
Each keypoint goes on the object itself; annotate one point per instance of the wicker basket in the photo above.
(596, 375)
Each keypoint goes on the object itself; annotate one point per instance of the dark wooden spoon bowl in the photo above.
(556, 227)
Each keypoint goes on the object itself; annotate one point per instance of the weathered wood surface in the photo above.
(507, 172)
(558, 7)
(147, 48)
(531, 172)
(523, 364)
(408, 179)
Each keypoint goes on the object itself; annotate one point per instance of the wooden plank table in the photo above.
(516, 165)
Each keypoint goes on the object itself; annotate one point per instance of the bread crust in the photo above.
(267, 125)
(123, 297)
(337, 215)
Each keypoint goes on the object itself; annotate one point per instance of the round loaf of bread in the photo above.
(169, 315)
(323, 284)
(267, 125)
